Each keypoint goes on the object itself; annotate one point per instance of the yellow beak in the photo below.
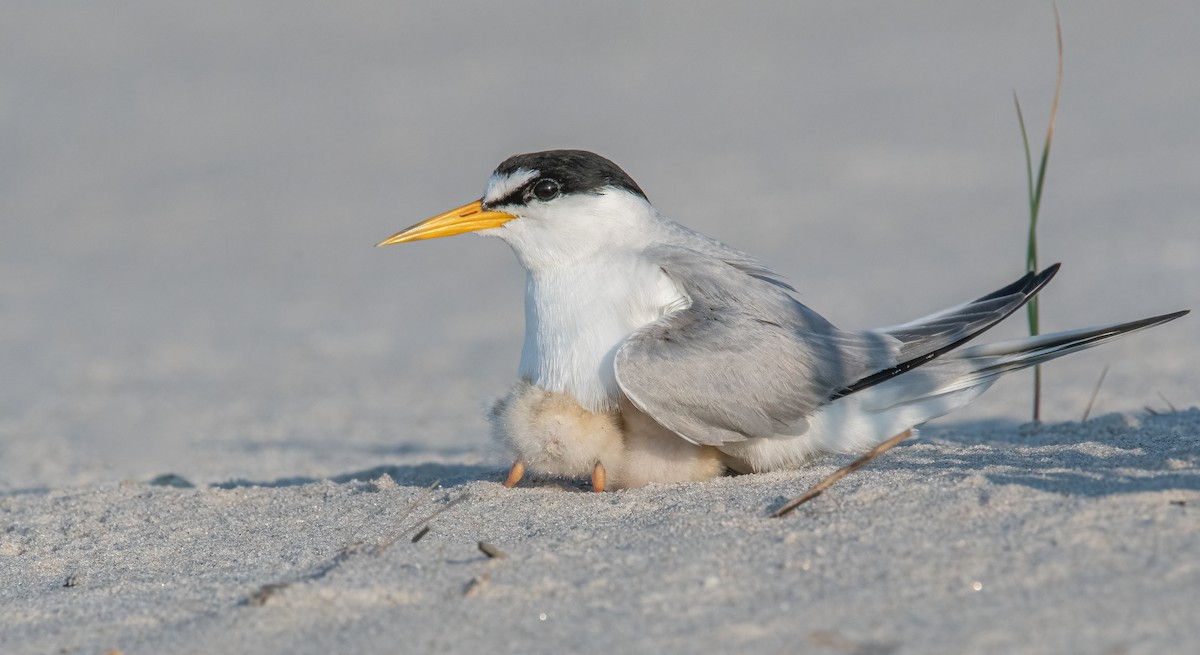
(468, 218)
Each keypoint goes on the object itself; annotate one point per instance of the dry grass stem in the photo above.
(412, 507)
(265, 592)
(1095, 391)
(819, 488)
(491, 551)
(475, 585)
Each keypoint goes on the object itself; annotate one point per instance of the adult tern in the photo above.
(656, 354)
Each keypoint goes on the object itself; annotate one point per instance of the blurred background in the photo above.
(190, 193)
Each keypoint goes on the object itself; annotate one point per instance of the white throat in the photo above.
(588, 287)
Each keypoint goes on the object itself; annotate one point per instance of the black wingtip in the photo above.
(1027, 287)
(1103, 334)
(1029, 284)
(1043, 278)
(1143, 323)
(1159, 320)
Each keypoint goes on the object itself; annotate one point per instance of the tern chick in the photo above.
(550, 434)
(654, 353)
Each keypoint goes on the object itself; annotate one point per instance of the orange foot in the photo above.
(515, 474)
(598, 475)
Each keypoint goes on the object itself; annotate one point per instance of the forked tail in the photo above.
(990, 361)
(956, 378)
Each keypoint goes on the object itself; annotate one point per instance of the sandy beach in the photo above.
(230, 424)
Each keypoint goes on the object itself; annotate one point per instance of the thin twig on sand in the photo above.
(1095, 391)
(491, 551)
(424, 521)
(819, 488)
(265, 592)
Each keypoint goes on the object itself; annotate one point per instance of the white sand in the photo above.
(189, 196)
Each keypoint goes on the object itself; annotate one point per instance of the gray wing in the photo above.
(744, 359)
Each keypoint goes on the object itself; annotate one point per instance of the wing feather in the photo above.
(743, 359)
(932, 336)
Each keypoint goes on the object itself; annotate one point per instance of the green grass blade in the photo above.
(1035, 203)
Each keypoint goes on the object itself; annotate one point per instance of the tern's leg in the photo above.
(598, 475)
(515, 474)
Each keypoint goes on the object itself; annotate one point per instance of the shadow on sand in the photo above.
(1107, 455)
(408, 475)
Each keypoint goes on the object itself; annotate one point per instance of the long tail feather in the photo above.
(953, 380)
(992, 360)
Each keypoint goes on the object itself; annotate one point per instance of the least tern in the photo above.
(653, 353)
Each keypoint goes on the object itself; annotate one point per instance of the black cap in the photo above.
(575, 171)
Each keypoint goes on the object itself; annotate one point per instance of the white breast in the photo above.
(576, 317)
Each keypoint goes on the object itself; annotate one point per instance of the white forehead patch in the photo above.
(499, 186)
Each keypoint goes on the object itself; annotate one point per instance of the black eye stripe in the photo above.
(516, 197)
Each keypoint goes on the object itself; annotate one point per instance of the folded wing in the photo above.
(744, 359)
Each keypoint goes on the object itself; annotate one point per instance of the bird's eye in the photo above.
(546, 189)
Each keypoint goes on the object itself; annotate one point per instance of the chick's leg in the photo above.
(598, 477)
(515, 474)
